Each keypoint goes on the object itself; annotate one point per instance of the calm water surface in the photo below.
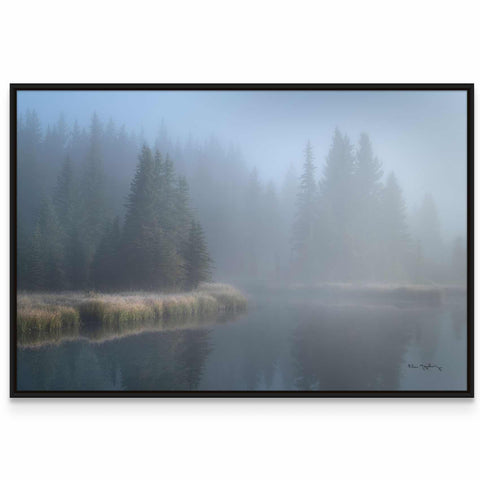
(283, 342)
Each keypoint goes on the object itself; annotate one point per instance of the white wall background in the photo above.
(219, 41)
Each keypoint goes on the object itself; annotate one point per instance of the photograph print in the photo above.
(242, 240)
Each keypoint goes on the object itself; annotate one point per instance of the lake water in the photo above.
(283, 342)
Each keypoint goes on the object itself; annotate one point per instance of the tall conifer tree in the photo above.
(367, 189)
(336, 240)
(394, 231)
(303, 241)
(93, 190)
(197, 260)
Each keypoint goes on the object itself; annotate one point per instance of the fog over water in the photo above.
(241, 240)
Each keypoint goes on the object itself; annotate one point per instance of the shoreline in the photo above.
(387, 292)
(40, 313)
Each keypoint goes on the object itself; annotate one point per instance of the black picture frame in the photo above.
(468, 393)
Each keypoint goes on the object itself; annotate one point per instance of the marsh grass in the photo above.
(228, 297)
(47, 318)
(42, 315)
(104, 333)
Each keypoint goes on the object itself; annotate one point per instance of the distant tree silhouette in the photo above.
(367, 191)
(47, 254)
(150, 251)
(336, 198)
(65, 195)
(428, 230)
(394, 232)
(107, 262)
(347, 225)
(303, 241)
(197, 261)
(93, 189)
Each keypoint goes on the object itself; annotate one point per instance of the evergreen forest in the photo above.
(101, 208)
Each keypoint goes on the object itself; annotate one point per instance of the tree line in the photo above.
(351, 224)
(78, 207)
(74, 244)
(244, 219)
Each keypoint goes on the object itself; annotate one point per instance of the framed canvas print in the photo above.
(242, 240)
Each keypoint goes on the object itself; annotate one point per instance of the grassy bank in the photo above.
(104, 331)
(52, 313)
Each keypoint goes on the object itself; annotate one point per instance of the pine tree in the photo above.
(163, 267)
(142, 200)
(197, 260)
(306, 216)
(78, 144)
(69, 241)
(253, 226)
(272, 246)
(31, 184)
(335, 237)
(67, 211)
(166, 196)
(367, 171)
(337, 182)
(289, 193)
(77, 265)
(24, 244)
(36, 262)
(65, 196)
(367, 189)
(394, 232)
(151, 256)
(47, 252)
(93, 191)
(53, 149)
(427, 228)
(106, 272)
(140, 218)
(183, 213)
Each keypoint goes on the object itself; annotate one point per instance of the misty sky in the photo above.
(420, 135)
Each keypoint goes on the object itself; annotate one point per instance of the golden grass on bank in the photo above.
(47, 318)
(229, 297)
(39, 312)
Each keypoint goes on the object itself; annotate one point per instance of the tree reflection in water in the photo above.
(358, 348)
(289, 344)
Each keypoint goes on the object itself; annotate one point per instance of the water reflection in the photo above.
(286, 344)
(171, 360)
(350, 348)
(109, 331)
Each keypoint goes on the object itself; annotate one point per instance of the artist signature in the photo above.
(425, 366)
